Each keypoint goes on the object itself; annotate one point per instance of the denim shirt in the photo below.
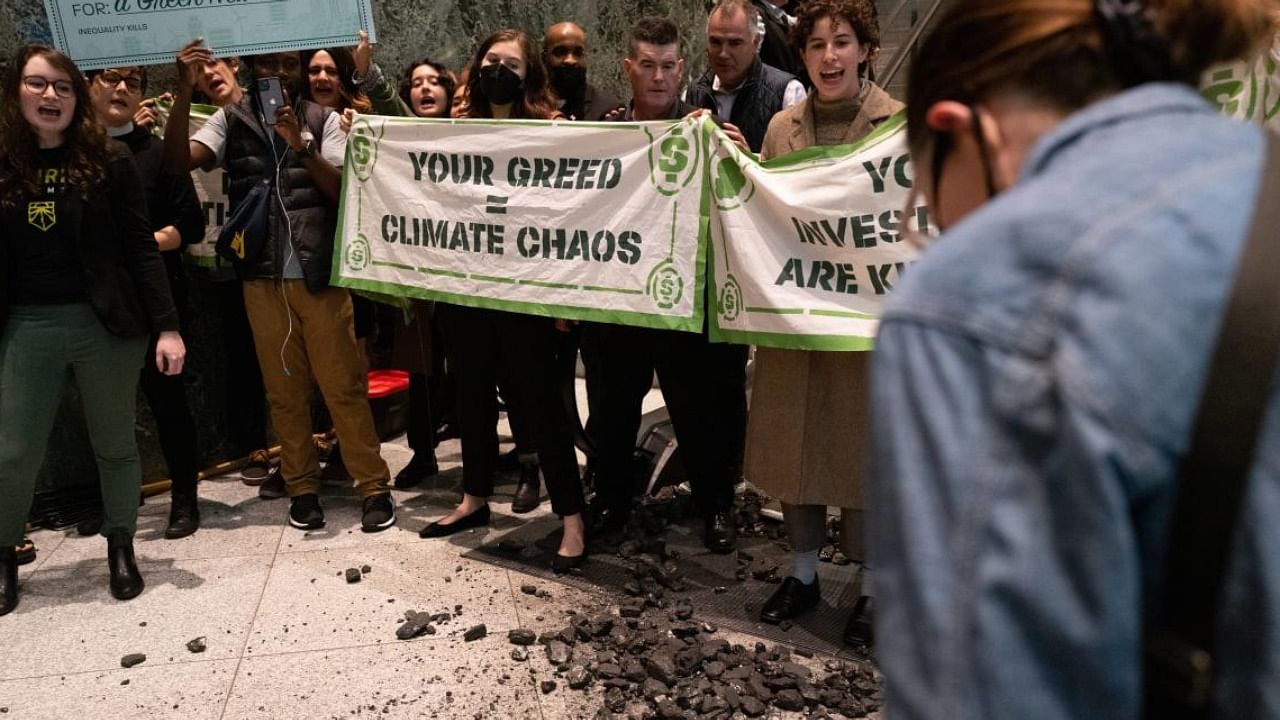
(1036, 378)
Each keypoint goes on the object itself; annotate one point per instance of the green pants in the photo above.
(38, 346)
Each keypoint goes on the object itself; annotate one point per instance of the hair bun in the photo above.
(1136, 49)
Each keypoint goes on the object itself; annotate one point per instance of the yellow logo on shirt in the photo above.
(43, 215)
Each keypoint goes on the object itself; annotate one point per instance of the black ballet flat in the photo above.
(561, 564)
(477, 518)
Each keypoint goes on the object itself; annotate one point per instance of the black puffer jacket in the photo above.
(759, 98)
(312, 218)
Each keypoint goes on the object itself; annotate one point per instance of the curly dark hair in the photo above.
(351, 95)
(447, 81)
(537, 103)
(85, 139)
(861, 14)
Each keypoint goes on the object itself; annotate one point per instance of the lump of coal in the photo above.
(578, 677)
(475, 632)
(557, 652)
(197, 645)
(353, 575)
(521, 636)
(132, 659)
(547, 686)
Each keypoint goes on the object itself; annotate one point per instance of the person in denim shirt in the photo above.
(1038, 372)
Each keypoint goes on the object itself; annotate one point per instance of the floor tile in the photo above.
(437, 678)
(187, 691)
(308, 604)
(67, 621)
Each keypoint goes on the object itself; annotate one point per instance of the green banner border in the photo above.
(789, 341)
(692, 323)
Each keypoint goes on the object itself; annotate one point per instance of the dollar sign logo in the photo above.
(677, 157)
(362, 145)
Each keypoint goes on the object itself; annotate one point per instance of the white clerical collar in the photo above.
(121, 131)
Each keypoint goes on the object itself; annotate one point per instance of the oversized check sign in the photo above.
(117, 33)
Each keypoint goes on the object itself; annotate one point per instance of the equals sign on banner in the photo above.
(497, 205)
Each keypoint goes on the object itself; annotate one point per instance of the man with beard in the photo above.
(564, 49)
(302, 327)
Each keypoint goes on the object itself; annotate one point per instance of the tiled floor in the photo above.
(287, 636)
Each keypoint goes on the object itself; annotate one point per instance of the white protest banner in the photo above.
(211, 189)
(805, 248)
(587, 221)
(116, 33)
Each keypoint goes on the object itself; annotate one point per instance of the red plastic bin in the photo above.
(389, 401)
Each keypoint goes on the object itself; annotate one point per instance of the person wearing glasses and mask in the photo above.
(82, 289)
(810, 410)
(1037, 373)
(177, 221)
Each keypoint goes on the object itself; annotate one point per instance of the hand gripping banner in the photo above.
(806, 248)
(586, 221)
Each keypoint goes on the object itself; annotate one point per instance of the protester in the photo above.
(809, 410)
(176, 221)
(564, 49)
(508, 81)
(246, 411)
(738, 86)
(690, 368)
(83, 288)
(424, 91)
(778, 18)
(1037, 372)
(331, 83)
(303, 328)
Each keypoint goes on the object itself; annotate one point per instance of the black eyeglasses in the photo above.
(111, 78)
(37, 85)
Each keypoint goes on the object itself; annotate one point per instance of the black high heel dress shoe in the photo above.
(477, 518)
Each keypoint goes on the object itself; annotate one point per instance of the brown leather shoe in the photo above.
(529, 490)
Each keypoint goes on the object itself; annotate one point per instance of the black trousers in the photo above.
(483, 345)
(702, 387)
(176, 431)
(246, 413)
(420, 428)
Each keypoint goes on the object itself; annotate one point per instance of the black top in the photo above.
(44, 267)
(121, 272)
(171, 200)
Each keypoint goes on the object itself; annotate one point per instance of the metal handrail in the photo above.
(895, 64)
(893, 17)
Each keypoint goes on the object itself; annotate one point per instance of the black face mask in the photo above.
(569, 81)
(500, 84)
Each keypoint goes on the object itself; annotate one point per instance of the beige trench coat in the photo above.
(808, 434)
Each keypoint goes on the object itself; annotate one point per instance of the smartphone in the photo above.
(270, 97)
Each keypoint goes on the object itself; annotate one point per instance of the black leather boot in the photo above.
(528, 490)
(184, 514)
(126, 582)
(860, 629)
(720, 532)
(8, 580)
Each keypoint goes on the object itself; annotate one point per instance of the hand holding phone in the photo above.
(270, 98)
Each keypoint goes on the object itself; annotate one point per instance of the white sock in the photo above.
(804, 566)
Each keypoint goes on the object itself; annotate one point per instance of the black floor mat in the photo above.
(736, 607)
